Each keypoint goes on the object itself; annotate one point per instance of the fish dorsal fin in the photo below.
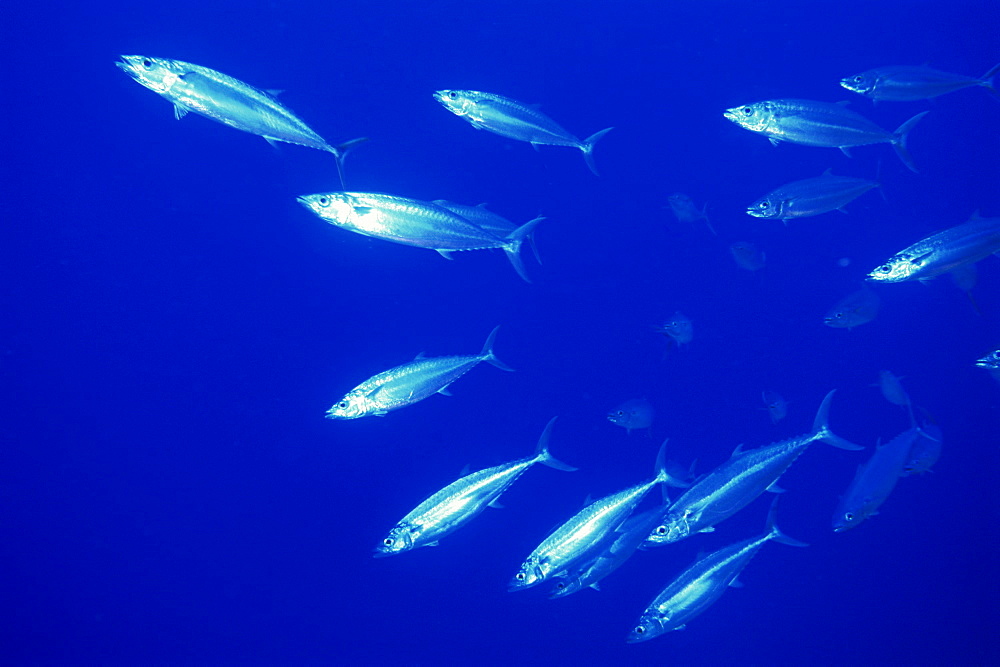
(842, 103)
(975, 215)
(420, 355)
(274, 92)
(828, 172)
(465, 470)
(736, 452)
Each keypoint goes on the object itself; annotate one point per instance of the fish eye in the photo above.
(520, 576)
(639, 629)
(147, 63)
(387, 542)
(859, 78)
(621, 413)
(560, 585)
(747, 111)
(849, 516)
(452, 95)
(342, 405)
(885, 268)
(764, 204)
(323, 201)
(661, 530)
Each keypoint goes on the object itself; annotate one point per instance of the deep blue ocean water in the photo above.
(175, 326)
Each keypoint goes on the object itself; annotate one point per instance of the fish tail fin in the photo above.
(487, 352)
(988, 83)
(821, 426)
(542, 454)
(899, 142)
(531, 239)
(587, 146)
(774, 533)
(663, 473)
(340, 153)
(513, 246)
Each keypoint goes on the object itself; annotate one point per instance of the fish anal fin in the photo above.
(495, 504)
(180, 111)
(845, 150)
(735, 583)
(444, 391)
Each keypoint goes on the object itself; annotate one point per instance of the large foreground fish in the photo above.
(810, 196)
(407, 384)
(514, 120)
(222, 98)
(458, 503)
(819, 124)
(415, 223)
(942, 252)
(704, 582)
(905, 83)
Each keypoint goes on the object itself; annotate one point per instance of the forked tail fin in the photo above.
(899, 142)
(587, 146)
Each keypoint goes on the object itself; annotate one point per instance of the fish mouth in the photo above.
(730, 114)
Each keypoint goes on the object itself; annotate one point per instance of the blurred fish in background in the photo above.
(686, 212)
(776, 406)
(632, 414)
(855, 309)
(747, 255)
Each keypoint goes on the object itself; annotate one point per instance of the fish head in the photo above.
(683, 207)
(530, 574)
(351, 406)
(991, 360)
(333, 207)
(846, 519)
(672, 529)
(648, 627)
(839, 318)
(459, 102)
(157, 74)
(896, 270)
(756, 117)
(862, 84)
(565, 587)
(620, 417)
(398, 540)
(767, 207)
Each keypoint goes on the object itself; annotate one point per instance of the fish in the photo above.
(810, 196)
(461, 501)
(776, 406)
(686, 212)
(824, 124)
(942, 252)
(892, 389)
(702, 583)
(415, 223)
(925, 450)
(874, 481)
(679, 328)
(907, 83)
(632, 414)
(514, 120)
(410, 383)
(583, 535)
(736, 483)
(490, 221)
(625, 540)
(747, 255)
(853, 310)
(990, 361)
(227, 100)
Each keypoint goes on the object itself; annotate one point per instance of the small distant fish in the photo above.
(991, 360)
(906, 83)
(747, 255)
(820, 124)
(679, 328)
(407, 384)
(227, 100)
(461, 501)
(700, 585)
(892, 389)
(632, 414)
(853, 310)
(925, 450)
(942, 252)
(810, 196)
(514, 120)
(686, 212)
(776, 406)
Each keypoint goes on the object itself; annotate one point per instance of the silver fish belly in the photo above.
(942, 252)
(407, 384)
(458, 503)
(810, 196)
(222, 98)
(514, 120)
(906, 83)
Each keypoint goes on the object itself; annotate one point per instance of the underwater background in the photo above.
(175, 326)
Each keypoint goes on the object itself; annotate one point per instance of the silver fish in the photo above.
(679, 328)
(905, 83)
(632, 414)
(415, 223)
(776, 406)
(892, 389)
(819, 124)
(582, 537)
(227, 100)
(407, 384)
(810, 196)
(624, 541)
(990, 361)
(686, 212)
(747, 255)
(490, 221)
(942, 252)
(925, 450)
(704, 582)
(737, 482)
(855, 309)
(514, 120)
(874, 481)
(458, 503)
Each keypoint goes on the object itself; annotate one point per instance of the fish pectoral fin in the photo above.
(362, 210)
(180, 111)
(844, 150)
(495, 504)
(445, 253)
(535, 146)
(431, 544)
(710, 529)
(272, 141)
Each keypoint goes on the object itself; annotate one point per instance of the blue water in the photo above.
(176, 325)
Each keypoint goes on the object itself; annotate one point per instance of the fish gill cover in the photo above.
(177, 324)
